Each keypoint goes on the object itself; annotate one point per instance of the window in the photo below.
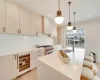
(76, 38)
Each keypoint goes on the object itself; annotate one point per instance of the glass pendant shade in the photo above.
(59, 19)
(74, 29)
(70, 27)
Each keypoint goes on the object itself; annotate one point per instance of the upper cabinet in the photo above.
(50, 27)
(32, 29)
(47, 26)
(39, 25)
(24, 21)
(2, 16)
(35, 24)
(12, 18)
(17, 20)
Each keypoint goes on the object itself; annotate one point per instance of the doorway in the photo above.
(76, 38)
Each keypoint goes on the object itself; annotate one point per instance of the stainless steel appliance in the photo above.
(48, 49)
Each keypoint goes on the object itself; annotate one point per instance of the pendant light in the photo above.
(59, 18)
(74, 28)
(70, 27)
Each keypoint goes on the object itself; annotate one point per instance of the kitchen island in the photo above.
(51, 67)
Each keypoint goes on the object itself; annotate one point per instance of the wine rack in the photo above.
(24, 62)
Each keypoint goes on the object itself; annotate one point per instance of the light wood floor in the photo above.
(98, 66)
(32, 75)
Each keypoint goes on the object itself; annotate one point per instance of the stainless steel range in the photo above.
(48, 48)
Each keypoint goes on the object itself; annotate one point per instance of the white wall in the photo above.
(92, 36)
(18, 43)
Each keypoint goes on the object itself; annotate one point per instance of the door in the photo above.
(12, 18)
(33, 24)
(7, 67)
(46, 26)
(34, 59)
(24, 21)
(75, 38)
(2, 15)
(39, 25)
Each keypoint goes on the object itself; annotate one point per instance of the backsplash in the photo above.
(17, 43)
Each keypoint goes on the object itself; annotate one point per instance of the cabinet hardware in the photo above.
(4, 29)
(17, 62)
(18, 31)
(37, 33)
(15, 57)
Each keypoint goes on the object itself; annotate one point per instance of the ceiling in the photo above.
(85, 9)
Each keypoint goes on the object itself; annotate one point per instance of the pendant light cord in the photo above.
(58, 4)
(69, 10)
(74, 18)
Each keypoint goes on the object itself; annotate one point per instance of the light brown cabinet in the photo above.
(35, 24)
(18, 20)
(12, 18)
(2, 16)
(7, 67)
(32, 30)
(50, 27)
(24, 21)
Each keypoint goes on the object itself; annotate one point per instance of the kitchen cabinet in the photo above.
(24, 21)
(2, 16)
(34, 59)
(39, 25)
(7, 67)
(17, 20)
(54, 31)
(35, 24)
(47, 25)
(50, 27)
(12, 18)
(34, 55)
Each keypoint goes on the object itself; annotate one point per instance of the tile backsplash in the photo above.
(16, 43)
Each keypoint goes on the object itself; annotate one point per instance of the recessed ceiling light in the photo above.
(49, 14)
(89, 15)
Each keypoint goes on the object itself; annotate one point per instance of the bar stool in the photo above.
(90, 65)
(95, 78)
(89, 58)
(87, 74)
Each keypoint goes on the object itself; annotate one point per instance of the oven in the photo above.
(48, 49)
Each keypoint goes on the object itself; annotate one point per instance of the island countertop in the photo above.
(71, 70)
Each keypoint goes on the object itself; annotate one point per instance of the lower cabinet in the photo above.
(34, 55)
(7, 67)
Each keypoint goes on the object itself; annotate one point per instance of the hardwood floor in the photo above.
(32, 75)
(98, 66)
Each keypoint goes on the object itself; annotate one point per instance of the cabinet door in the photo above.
(2, 15)
(33, 24)
(39, 25)
(12, 18)
(7, 67)
(54, 31)
(24, 21)
(47, 28)
(34, 59)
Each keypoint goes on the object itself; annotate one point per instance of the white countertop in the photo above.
(19, 51)
(71, 70)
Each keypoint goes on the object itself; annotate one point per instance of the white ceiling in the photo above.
(85, 9)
